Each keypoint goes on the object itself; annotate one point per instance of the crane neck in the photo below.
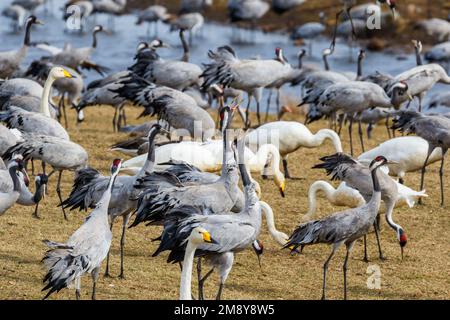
(94, 39)
(325, 62)
(359, 69)
(39, 193)
(27, 38)
(186, 272)
(44, 107)
(185, 45)
(16, 183)
(149, 164)
(419, 61)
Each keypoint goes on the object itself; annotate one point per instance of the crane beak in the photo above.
(401, 248)
(392, 162)
(410, 97)
(39, 22)
(394, 13)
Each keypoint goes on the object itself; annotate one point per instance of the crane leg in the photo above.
(219, 293)
(344, 268)
(387, 127)
(247, 112)
(35, 213)
(350, 129)
(77, 289)
(278, 104)
(369, 131)
(258, 114)
(441, 176)
(366, 258)
(201, 280)
(268, 105)
(58, 191)
(375, 226)
(325, 269)
(107, 275)
(333, 42)
(95, 274)
(114, 119)
(286, 170)
(126, 218)
(360, 132)
(422, 175)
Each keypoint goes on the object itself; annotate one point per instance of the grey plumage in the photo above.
(343, 227)
(434, 129)
(84, 251)
(179, 110)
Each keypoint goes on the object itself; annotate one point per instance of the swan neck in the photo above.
(45, 108)
(186, 272)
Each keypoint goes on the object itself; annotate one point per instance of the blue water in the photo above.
(116, 51)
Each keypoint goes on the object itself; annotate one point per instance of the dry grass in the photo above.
(424, 274)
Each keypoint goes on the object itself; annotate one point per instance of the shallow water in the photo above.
(116, 51)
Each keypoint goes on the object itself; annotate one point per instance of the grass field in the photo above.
(423, 274)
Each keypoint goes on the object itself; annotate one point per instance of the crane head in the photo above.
(116, 165)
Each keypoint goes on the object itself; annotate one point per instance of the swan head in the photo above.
(280, 182)
(200, 235)
(60, 73)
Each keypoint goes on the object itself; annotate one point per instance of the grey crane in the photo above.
(247, 75)
(232, 232)
(89, 186)
(347, 5)
(289, 76)
(170, 73)
(439, 100)
(156, 201)
(111, 8)
(247, 11)
(77, 58)
(343, 227)
(179, 110)
(282, 6)
(17, 14)
(8, 196)
(84, 251)
(353, 97)
(39, 123)
(30, 5)
(26, 198)
(152, 15)
(189, 6)
(440, 53)
(60, 154)
(10, 60)
(191, 22)
(357, 176)
(99, 92)
(310, 31)
(81, 10)
(435, 28)
(434, 129)
(416, 82)
(418, 50)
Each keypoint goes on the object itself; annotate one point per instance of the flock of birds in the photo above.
(205, 215)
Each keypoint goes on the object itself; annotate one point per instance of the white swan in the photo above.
(42, 122)
(289, 136)
(207, 156)
(348, 197)
(278, 236)
(197, 237)
(409, 152)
